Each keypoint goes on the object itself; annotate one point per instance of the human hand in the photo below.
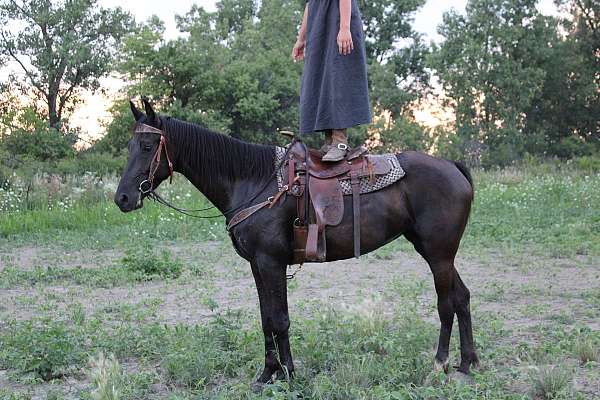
(344, 41)
(298, 50)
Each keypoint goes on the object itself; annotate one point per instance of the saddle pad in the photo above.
(367, 185)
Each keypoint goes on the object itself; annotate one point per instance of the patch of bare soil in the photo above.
(29, 257)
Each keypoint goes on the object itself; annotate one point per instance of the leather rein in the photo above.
(146, 186)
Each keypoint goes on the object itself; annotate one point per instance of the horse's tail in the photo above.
(465, 171)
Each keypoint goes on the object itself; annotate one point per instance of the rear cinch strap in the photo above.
(355, 182)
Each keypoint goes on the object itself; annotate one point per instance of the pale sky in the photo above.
(426, 20)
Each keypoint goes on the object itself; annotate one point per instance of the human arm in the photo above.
(344, 38)
(298, 50)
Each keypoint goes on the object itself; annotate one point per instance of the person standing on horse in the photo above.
(334, 92)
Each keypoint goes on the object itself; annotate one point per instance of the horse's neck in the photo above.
(215, 186)
(214, 179)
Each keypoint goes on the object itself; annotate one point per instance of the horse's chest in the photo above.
(241, 245)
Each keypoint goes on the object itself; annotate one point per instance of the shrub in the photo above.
(150, 264)
(588, 163)
(41, 145)
(99, 164)
(47, 348)
(403, 135)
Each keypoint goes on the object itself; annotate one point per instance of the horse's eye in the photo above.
(146, 147)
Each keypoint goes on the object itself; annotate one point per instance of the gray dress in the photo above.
(334, 92)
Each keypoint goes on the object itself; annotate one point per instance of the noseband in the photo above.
(146, 185)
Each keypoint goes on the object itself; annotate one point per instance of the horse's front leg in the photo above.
(271, 284)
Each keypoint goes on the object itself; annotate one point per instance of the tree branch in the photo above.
(22, 10)
(67, 95)
(586, 13)
(27, 72)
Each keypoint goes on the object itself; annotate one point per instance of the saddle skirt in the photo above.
(388, 172)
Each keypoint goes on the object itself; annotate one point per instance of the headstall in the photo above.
(146, 185)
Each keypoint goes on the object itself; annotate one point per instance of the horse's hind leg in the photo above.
(443, 283)
(453, 298)
(461, 300)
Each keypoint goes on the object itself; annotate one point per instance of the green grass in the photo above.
(138, 265)
(555, 211)
(549, 209)
(339, 355)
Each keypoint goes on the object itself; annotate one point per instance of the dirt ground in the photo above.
(519, 290)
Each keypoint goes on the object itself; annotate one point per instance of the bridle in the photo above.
(155, 162)
(146, 186)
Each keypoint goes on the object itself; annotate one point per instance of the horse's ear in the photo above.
(149, 110)
(137, 114)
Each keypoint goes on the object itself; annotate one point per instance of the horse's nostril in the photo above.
(123, 198)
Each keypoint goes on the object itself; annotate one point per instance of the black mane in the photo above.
(207, 151)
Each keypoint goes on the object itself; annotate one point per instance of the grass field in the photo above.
(96, 304)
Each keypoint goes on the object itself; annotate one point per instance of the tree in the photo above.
(396, 54)
(569, 108)
(60, 48)
(492, 65)
(232, 72)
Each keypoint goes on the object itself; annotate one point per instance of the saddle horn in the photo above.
(289, 134)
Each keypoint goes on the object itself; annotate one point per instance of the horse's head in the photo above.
(148, 163)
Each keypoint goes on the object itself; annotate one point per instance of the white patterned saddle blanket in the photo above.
(367, 184)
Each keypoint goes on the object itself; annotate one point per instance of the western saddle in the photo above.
(317, 186)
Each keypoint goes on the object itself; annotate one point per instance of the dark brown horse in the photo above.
(430, 206)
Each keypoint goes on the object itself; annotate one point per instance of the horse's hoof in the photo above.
(461, 378)
(258, 387)
(440, 365)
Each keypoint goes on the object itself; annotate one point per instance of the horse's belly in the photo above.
(383, 217)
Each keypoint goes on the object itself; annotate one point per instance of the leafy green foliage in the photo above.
(193, 357)
(403, 135)
(152, 265)
(234, 72)
(46, 348)
(397, 73)
(31, 138)
(43, 145)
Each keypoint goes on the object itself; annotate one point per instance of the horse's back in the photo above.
(431, 176)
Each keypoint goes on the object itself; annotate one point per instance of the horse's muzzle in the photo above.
(127, 203)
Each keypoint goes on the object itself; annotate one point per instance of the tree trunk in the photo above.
(53, 118)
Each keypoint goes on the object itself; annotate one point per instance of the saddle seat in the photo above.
(318, 188)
